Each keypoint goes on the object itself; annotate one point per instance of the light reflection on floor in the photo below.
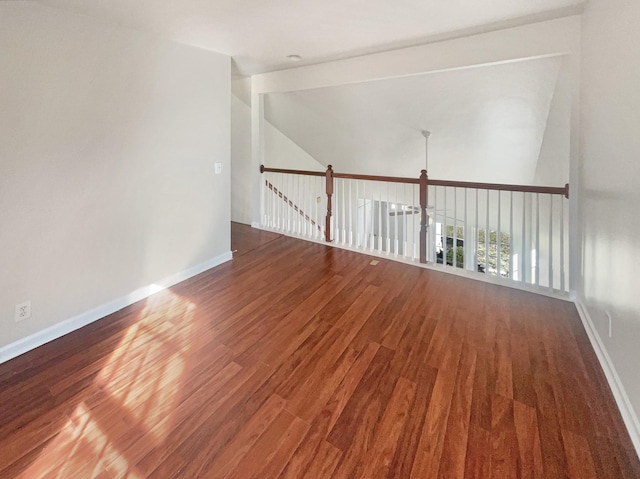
(139, 389)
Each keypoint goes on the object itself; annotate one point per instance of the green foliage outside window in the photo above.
(459, 250)
(505, 257)
(459, 256)
(494, 247)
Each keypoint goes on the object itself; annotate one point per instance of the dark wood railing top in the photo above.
(551, 190)
(390, 179)
(292, 172)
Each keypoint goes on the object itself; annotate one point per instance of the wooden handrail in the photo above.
(389, 179)
(351, 176)
(551, 190)
(292, 204)
(423, 181)
(291, 172)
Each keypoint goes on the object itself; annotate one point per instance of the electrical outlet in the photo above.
(23, 311)
(218, 167)
(608, 315)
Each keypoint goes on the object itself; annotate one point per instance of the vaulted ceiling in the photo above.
(260, 34)
(503, 123)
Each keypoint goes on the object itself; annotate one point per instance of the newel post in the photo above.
(327, 224)
(423, 216)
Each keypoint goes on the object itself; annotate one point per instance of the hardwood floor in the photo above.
(245, 239)
(296, 360)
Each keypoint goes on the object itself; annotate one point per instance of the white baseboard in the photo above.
(629, 415)
(256, 224)
(67, 326)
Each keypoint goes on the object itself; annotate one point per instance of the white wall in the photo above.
(241, 173)
(552, 167)
(280, 151)
(610, 196)
(108, 139)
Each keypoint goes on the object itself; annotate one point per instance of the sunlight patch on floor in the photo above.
(133, 409)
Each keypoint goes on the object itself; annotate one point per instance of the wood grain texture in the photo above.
(296, 360)
(461, 184)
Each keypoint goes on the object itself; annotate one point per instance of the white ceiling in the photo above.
(488, 123)
(259, 34)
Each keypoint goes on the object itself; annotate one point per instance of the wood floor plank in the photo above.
(555, 461)
(267, 445)
(211, 429)
(579, 460)
(296, 360)
(429, 452)
(283, 450)
(504, 443)
(381, 452)
(454, 452)
(243, 243)
(351, 422)
(226, 462)
(188, 427)
(324, 422)
(289, 331)
(528, 436)
(478, 458)
(324, 462)
(314, 393)
(408, 441)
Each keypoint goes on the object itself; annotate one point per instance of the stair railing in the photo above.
(514, 233)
